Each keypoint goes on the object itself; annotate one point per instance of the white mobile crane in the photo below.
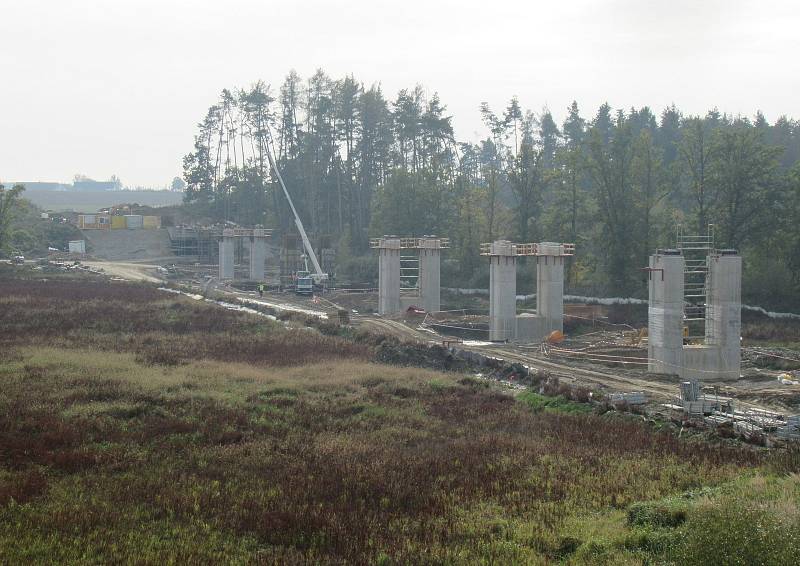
(305, 280)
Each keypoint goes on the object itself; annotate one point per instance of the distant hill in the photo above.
(92, 201)
(41, 186)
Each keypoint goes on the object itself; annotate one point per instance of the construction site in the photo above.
(683, 356)
(400, 283)
(685, 360)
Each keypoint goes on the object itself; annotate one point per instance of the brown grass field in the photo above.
(141, 427)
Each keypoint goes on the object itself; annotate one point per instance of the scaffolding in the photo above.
(195, 241)
(410, 263)
(409, 275)
(409, 272)
(695, 250)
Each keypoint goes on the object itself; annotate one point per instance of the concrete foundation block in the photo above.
(532, 328)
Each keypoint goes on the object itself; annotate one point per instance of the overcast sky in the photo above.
(104, 87)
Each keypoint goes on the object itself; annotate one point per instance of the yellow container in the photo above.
(118, 223)
(94, 222)
(151, 222)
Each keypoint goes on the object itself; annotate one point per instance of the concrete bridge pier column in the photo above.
(550, 286)
(724, 311)
(430, 275)
(258, 254)
(665, 313)
(502, 291)
(389, 276)
(226, 256)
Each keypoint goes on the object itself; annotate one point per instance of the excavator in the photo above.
(304, 280)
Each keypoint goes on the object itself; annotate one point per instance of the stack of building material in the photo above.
(767, 420)
(697, 404)
(718, 418)
(746, 429)
(690, 390)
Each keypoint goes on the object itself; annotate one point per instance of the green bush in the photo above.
(655, 515)
(653, 541)
(727, 533)
(553, 404)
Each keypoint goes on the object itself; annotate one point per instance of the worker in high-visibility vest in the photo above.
(261, 290)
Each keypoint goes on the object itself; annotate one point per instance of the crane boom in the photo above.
(319, 275)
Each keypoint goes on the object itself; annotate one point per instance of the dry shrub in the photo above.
(160, 329)
(37, 310)
(759, 327)
(329, 473)
(22, 486)
(346, 471)
(41, 438)
(10, 355)
(286, 348)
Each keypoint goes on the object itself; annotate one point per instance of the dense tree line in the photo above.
(617, 183)
(9, 202)
(22, 229)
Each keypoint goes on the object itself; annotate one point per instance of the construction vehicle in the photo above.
(318, 277)
(304, 283)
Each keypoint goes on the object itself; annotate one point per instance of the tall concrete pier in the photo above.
(665, 312)
(717, 354)
(430, 272)
(504, 323)
(256, 242)
(389, 275)
(550, 285)
(258, 254)
(226, 255)
(420, 273)
(502, 291)
(724, 311)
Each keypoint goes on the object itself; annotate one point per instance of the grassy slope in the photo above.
(110, 454)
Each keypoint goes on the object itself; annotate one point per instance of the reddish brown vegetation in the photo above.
(159, 328)
(349, 471)
(331, 477)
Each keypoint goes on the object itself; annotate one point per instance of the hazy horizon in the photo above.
(118, 89)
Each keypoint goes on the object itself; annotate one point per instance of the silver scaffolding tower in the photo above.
(695, 250)
(409, 276)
